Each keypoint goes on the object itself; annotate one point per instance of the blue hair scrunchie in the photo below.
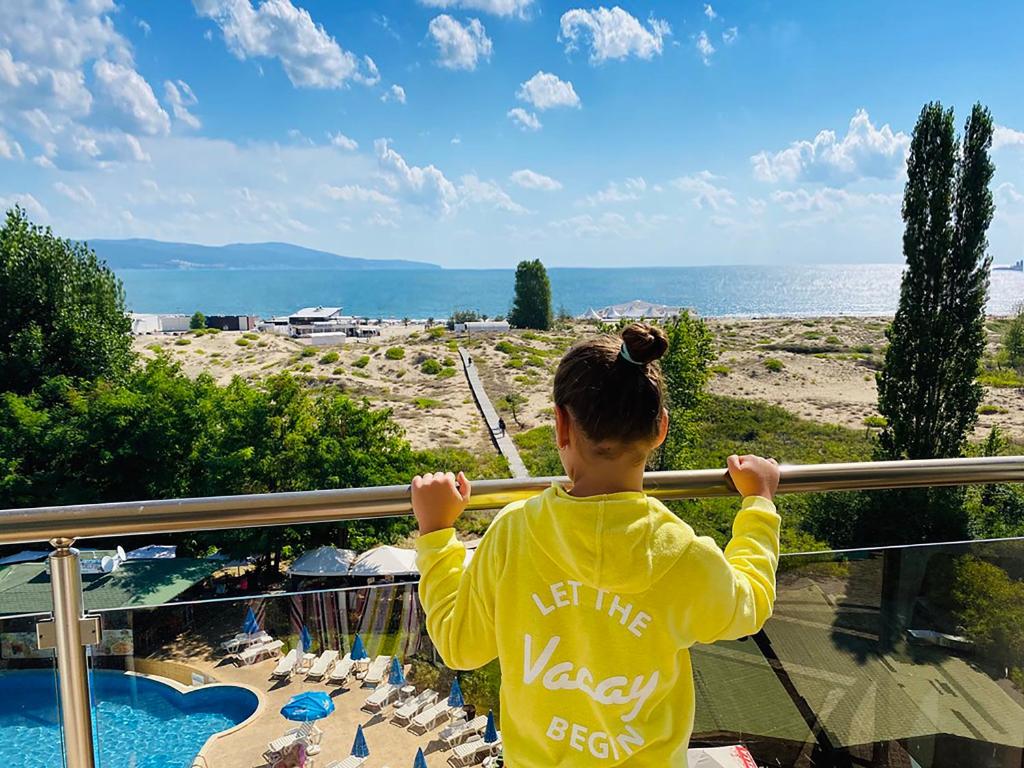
(624, 352)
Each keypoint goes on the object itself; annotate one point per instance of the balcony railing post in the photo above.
(72, 665)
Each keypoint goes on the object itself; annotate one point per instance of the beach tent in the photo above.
(154, 552)
(325, 561)
(385, 561)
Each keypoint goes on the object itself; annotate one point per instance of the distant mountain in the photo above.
(155, 254)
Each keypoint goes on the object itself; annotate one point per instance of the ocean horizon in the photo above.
(713, 291)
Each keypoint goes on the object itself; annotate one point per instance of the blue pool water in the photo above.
(140, 723)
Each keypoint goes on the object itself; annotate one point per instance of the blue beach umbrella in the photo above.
(359, 748)
(250, 626)
(306, 639)
(420, 761)
(358, 652)
(396, 676)
(490, 732)
(311, 705)
(455, 695)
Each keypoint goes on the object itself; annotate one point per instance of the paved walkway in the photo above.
(506, 446)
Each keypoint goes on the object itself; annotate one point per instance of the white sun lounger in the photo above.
(244, 640)
(460, 732)
(381, 697)
(307, 733)
(473, 752)
(375, 674)
(342, 669)
(254, 653)
(321, 665)
(412, 707)
(430, 717)
(286, 666)
(349, 762)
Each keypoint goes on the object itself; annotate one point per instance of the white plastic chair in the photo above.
(286, 666)
(321, 665)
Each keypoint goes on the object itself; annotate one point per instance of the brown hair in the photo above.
(612, 386)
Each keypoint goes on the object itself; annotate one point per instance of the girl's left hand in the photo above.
(438, 499)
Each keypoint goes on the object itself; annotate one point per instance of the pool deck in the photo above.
(243, 747)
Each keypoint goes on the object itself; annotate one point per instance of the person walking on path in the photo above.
(501, 426)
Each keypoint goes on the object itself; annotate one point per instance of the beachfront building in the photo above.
(278, 325)
(482, 326)
(152, 323)
(232, 322)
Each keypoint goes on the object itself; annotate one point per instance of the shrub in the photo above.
(329, 357)
(1001, 379)
(446, 373)
(436, 332)
(394, 353)
(535, 360)
(514, 362)
(426, 403)
(362, 362)
(875, 421)
(251, 336)
(431, 367)
(774, 365)
(242, 342)
(988, 409)
(832, 340)
(812, 334)
(720, 369)
(505, 346)
(338, 371)
(306, 368)
(182, 342)
(307, 352)
(864, 349)
(448, 362)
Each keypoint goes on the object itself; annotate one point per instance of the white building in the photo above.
(482, 326)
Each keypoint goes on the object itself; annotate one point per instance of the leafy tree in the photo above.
(531, 307)
(198, 321)
(685, 367)
(990, 607)
(63, 310)
(928, 389)
(1013, 341)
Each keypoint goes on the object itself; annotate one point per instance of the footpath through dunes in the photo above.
(501, 436)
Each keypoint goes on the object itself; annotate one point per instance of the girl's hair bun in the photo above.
(645, 343)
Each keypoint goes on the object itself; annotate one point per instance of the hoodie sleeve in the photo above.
(459, 601)
(733, 593)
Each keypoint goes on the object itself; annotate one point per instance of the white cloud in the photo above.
(704, 190)
(144, 26)
(474, 190)
(631, 189)
(395, 93)
(612, 33)
(1006, 137)
(342, 141)
(350, 193)
(459, 46)
(456, 140)
(10, 149)
(705, 48)
(426, 186)
(528, 179)
(370, 75)
(607, 225)
(77, 194)
(527, 121)
(710, 12)
(865, 152)
(277, 29)
(35, 210)
(1007, 194)
(498, 7)
(729, 36)
(129, 94)
(546, 91)
(831, 200)
(180, 98)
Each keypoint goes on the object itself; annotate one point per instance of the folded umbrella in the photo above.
(311, 705)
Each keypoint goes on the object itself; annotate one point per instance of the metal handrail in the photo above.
(21, 526)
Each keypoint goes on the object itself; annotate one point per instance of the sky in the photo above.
(476, 133)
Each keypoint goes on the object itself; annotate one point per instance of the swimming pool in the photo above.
(140, 722)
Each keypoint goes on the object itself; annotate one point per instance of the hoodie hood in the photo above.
(621, 542)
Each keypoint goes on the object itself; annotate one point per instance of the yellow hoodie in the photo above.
(590, 604)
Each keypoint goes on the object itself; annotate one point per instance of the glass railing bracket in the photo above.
(88, 626)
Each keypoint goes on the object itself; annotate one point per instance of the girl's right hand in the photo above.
(754, 476)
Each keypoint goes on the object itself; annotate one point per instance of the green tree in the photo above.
(928, 389)
(1013, 341)
(685, 367)
(531, 307)
(198, 321)
(63, 310)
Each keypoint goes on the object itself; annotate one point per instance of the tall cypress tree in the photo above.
(928, 389)
(531, 307)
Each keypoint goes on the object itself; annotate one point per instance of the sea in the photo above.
(712, 291)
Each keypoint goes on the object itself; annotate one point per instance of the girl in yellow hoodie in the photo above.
(591, 595)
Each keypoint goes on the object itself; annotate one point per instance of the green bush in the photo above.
(242, 342)
(535, 360)
(446, 373)
(427, 403)
(431, 367)
(308, 352)
(306, 368)
(514, 362)
(362, 362)
(834, 340)
(436, 332)
(394, 353)
(864, 349)
(329, 357)
(251, 336)
(774, 365)
(182, 342)
(340, 370)
(720, 369)
(1001, 379)
(506, 346)
(448, 362)
(197, 321)
(987, 409)
(875, 421)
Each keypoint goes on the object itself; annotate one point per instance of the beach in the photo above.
(821, 369)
